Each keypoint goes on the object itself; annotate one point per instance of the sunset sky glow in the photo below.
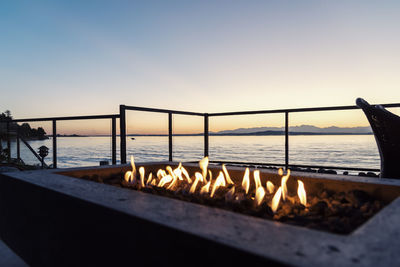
(62, 58)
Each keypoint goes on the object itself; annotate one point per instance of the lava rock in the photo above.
(327, 210)
(319, 208)
(357, 198)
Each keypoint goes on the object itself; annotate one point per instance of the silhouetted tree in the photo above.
(41, 132)
(4, 117)
(24, 130)
(8, 114)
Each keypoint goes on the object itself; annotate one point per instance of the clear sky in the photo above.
(60, 58)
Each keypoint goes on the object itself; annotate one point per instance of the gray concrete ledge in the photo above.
(8, 258)
(375, 243)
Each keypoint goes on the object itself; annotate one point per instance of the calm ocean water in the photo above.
(337, 150)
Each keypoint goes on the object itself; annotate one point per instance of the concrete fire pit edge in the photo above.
(375, 243)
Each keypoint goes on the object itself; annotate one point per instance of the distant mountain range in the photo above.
(294, 130)
(302, 129)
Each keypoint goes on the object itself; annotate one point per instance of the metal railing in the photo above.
(54, 120)
(122, 126)
(206, 116)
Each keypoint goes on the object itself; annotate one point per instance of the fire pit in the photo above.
(269, 195)
(51, 218)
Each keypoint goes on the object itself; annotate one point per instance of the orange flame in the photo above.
(228, 178)
(270, 187)
(199, 177)
(230, 193)
(283, 184)
(171, 185)
(203, 166)
(186, 174)
(130, 176)
(257, 181)
(260, 193)
(127, 176)
(276, 199)
(220, 181)
(161, 173)
(205, 189)
(133, 168)
(166, 179)
(141, 172)
(169, 178)
(246, 180)
(178, 172)
(170, 172)
(149, 179)
(301, 192)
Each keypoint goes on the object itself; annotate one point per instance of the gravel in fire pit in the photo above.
(336, 212)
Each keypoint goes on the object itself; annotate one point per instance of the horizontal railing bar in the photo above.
(163, 110)
(197, 113)
(253, 112)
(89, 117)
(296, 165)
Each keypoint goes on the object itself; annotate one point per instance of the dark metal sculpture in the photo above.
(43, 152)
(386, 128)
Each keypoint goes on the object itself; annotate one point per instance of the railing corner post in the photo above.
(122, 134)
(206, 133)
(113, 141)
(170, 158)
(54, 143)
(286, 140)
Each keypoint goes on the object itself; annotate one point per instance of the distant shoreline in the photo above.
(258, 131)
(217, 134)
(70, 135)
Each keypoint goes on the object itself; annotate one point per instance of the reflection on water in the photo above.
(338, 150)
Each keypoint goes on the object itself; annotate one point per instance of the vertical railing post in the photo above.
(286, 140)
(54, 144)
(170, 136)
(1, 140)
(113, 141)
(205, 134)
(8, 142)
(122, 133)
(18, 146)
